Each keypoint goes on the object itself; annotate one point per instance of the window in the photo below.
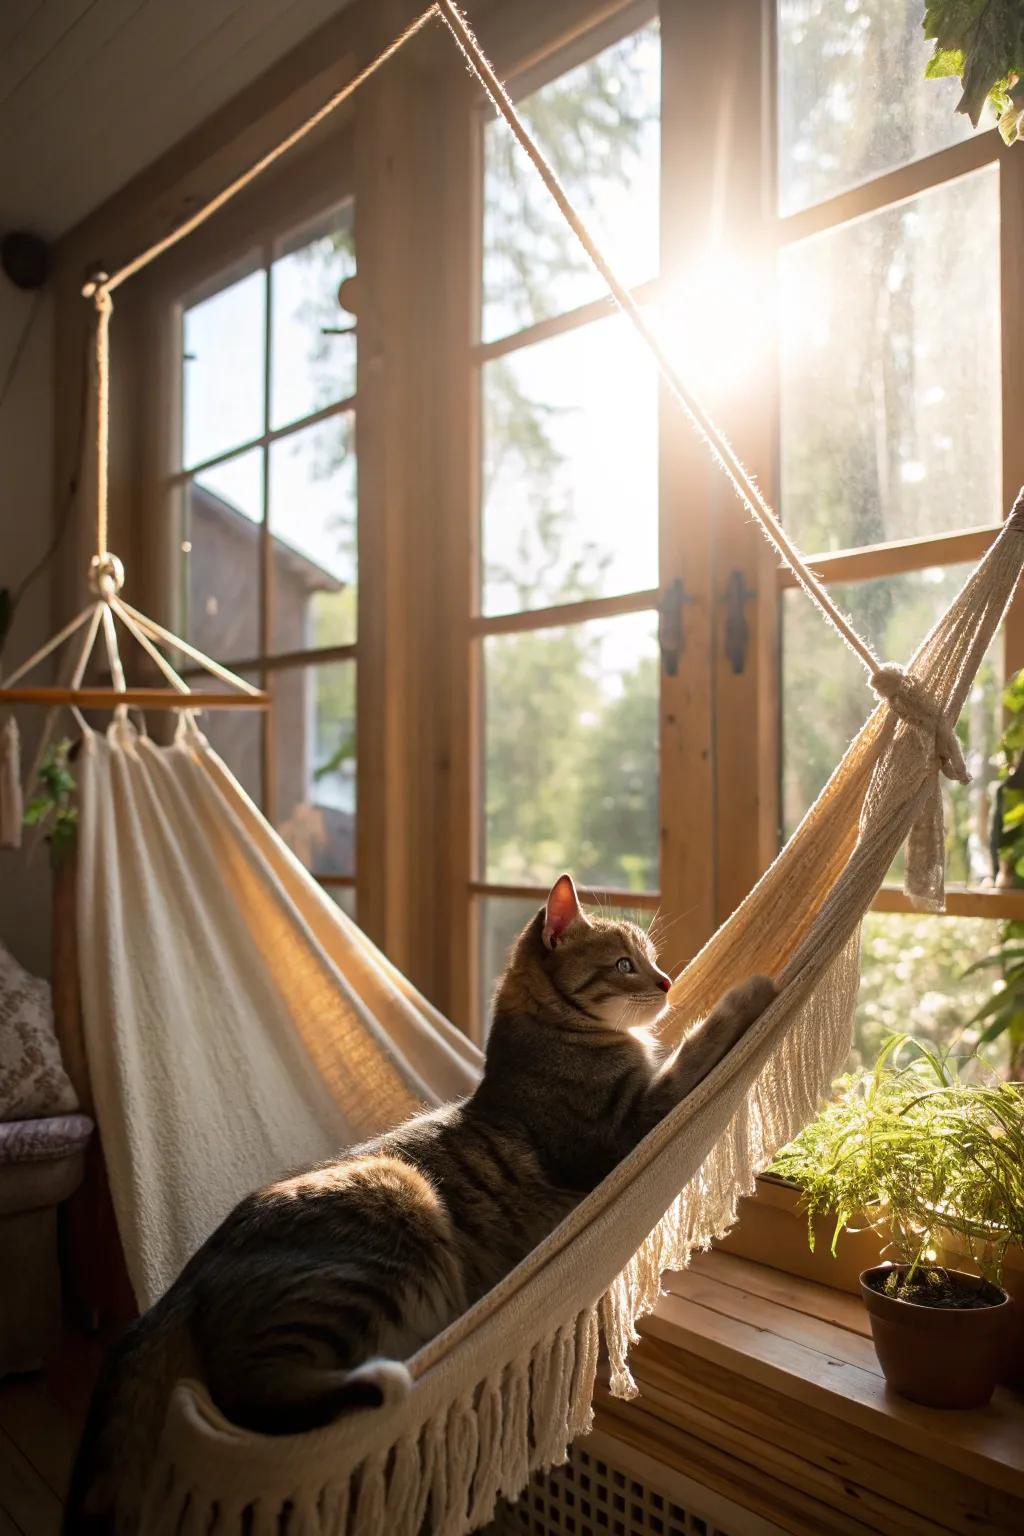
(834, 134)
(269, 560)
(567, 725)
(877, 415)
(891, 469)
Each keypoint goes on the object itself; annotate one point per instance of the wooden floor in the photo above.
(40, 1421)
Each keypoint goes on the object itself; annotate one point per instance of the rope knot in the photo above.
(106, 575)
(97, 290)
(912, 702)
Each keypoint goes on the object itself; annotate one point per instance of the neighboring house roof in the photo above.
(306, 574)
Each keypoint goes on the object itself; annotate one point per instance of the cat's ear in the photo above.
(563, 911)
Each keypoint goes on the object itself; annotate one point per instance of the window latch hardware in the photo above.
(671, 638)
(737, 629)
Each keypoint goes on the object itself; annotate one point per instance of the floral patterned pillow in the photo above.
(32, 1076)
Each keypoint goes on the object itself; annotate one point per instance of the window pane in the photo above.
(312, 365)
(853, 99)
(343, 896)
(236, 735)
(223, 369)
(315, 764)
(502, 919)
(826, 699)
(912, 979)
(571, 754)
(890, 398)
(221, 553)
(313, 521)
(570, 470)
(598, 125)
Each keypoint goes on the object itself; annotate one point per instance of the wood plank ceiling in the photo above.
(91, 91)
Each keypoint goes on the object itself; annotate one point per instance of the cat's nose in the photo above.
(664, 983)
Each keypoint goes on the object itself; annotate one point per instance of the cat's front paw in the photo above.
(749, 1000)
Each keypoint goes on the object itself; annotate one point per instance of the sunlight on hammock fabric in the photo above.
(298, 1037)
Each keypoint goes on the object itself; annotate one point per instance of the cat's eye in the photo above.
(624, 965)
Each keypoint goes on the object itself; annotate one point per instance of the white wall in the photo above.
(26, 515)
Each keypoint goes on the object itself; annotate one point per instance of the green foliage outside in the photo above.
(981, 42)
(912, 981)
(592, 124)
(918, 1152)
(1000, 1017)
(571, 751)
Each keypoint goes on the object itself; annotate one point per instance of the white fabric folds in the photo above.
(238, 1024)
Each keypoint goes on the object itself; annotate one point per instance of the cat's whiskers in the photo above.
(657, 933)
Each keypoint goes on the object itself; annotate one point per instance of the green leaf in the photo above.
(999, 1002)
(36, 811)
(943, 62)
(989, 34)
(1007, 958)
(996, 1028)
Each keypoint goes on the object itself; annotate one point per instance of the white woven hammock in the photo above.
(238, 1023)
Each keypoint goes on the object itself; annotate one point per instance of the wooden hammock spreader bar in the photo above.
(134, 698)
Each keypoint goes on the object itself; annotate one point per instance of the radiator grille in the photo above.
(601, 1492)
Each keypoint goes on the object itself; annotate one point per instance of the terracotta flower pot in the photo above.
(946, 1357)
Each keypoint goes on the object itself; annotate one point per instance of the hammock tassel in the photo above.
(925, 876)
(11, 804)
(370, 1498)
(911, 701)
(487, 1484)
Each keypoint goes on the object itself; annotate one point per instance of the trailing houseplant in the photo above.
(935, 1163)
(53, 807)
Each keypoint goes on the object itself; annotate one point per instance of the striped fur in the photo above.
(373, 1254)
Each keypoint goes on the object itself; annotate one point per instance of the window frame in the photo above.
(734, 719)
(556, 61)
(248, 237)
(902, 556)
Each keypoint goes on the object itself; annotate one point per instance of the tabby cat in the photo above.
(291, 1309)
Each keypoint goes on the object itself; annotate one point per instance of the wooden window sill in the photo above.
(767, 1387)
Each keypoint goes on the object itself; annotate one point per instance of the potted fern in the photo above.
(935, 1164)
